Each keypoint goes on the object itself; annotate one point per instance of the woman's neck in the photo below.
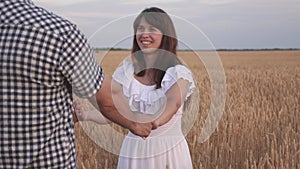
(150, 60)
(147, 78)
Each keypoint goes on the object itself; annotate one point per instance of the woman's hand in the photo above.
(155, 124)
(78, 113)
(94, 115)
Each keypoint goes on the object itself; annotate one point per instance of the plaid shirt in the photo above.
(43, 58)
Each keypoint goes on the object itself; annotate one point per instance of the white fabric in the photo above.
(165, 145)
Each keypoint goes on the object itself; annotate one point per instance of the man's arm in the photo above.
(105, 103)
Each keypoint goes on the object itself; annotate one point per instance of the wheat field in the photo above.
(260, 126)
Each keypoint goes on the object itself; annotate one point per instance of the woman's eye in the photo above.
(154, 30)
(140, 28)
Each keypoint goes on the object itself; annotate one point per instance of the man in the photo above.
(43, 59)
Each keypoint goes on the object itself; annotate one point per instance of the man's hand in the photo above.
(141, 129)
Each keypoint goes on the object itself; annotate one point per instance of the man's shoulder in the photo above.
(50, 21)
(30, 15)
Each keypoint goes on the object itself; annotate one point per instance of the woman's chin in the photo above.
(148, 50)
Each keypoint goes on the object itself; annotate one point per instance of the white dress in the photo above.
(166, 145)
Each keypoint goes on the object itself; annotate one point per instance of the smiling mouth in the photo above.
(146, 42)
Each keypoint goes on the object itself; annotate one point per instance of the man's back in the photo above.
(39, 52)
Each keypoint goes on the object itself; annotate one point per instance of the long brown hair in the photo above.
(167, 56)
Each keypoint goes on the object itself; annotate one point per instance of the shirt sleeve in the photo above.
(79, 66)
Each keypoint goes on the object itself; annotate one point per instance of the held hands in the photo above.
(144, 129)
(141, 129)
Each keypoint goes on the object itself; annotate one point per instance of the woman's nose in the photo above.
(145, 34)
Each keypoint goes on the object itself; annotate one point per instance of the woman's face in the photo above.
(148, 37)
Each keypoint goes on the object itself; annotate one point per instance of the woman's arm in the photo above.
(175, 98)
(94, 115)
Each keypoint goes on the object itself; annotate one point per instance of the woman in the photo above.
(156, 85)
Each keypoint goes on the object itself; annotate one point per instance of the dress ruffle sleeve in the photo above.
(175, 73)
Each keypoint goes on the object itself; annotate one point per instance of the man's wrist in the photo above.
(131, 125)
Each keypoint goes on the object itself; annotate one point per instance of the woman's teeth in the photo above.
(146, 42)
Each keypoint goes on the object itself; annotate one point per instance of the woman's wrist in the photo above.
(155, 124)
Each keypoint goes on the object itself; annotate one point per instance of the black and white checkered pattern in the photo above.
(42, 58)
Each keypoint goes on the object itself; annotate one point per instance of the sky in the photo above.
(200, 24)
